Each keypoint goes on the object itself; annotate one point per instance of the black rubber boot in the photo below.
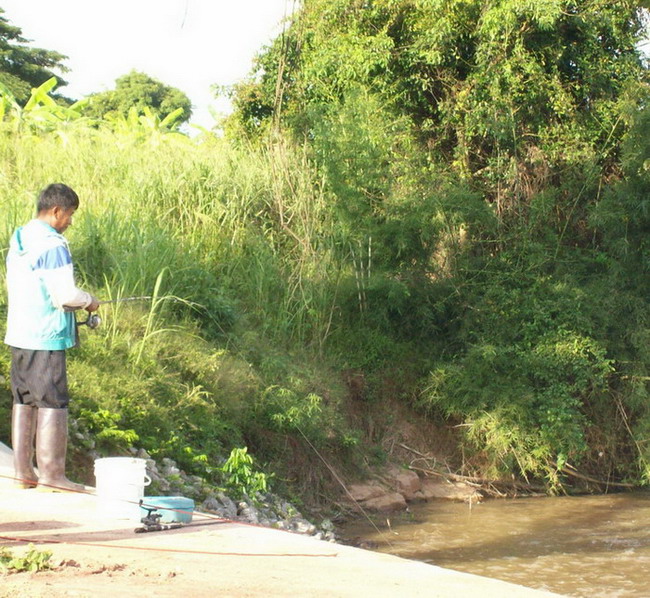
(51, 448)
(23, 432)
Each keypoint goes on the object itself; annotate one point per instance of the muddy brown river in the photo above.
(591, 546)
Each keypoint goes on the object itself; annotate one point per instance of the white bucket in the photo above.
(120, 483)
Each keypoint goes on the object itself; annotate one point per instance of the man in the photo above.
(40, 327)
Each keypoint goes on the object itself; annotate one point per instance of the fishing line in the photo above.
(354, 500)
(187, 5)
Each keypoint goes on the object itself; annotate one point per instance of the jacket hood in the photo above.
(30, 235)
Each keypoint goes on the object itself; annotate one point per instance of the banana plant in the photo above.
(146, 125)
(8, 104)
(41, 112)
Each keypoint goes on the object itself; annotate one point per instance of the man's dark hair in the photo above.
(57, 194)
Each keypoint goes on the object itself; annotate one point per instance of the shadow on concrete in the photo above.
(93, 537)
(26, 527)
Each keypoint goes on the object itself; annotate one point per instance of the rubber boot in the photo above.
(23, 432)
(51, 448)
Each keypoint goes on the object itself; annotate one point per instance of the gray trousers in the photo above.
(39, 379)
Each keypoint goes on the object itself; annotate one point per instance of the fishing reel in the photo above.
(93, 322)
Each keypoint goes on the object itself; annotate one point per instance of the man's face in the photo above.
(62, 218)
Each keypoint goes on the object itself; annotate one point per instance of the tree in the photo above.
(22, 67)
(515, 96)
(139, 90)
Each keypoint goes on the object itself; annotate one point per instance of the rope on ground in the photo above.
(168, 550)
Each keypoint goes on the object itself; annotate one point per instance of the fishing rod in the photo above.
(94, 320)
(122, 299)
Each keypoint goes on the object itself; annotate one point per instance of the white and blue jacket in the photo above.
(40, 281)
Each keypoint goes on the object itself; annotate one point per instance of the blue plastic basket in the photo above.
(173, 509)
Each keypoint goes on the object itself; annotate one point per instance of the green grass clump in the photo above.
(33, 560)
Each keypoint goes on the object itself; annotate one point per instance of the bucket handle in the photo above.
(147, 480)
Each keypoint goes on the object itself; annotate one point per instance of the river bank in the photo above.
(96, 556)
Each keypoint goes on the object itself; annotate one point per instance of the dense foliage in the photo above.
(438, 206)
(493, 153)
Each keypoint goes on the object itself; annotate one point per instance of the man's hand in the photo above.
(94, 305)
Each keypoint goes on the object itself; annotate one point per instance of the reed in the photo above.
(252, 221)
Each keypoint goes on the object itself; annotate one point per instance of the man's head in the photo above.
(56, 205)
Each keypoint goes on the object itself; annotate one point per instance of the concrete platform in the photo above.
(208, 557)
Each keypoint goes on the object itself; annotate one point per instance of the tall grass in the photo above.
(239, 236)
(241, 226)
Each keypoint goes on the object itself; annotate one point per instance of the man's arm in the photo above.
(55, 268)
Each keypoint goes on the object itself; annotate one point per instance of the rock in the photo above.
(397, 486)
(419, 496)
(229, 507)
(327, 525)
(404, 481)
(211, 504)
(158, 482)
(248, 513)
(387, 503)
(303, 526)
(169, 467)
(432, 489)
(363, 492)
(285, 509)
